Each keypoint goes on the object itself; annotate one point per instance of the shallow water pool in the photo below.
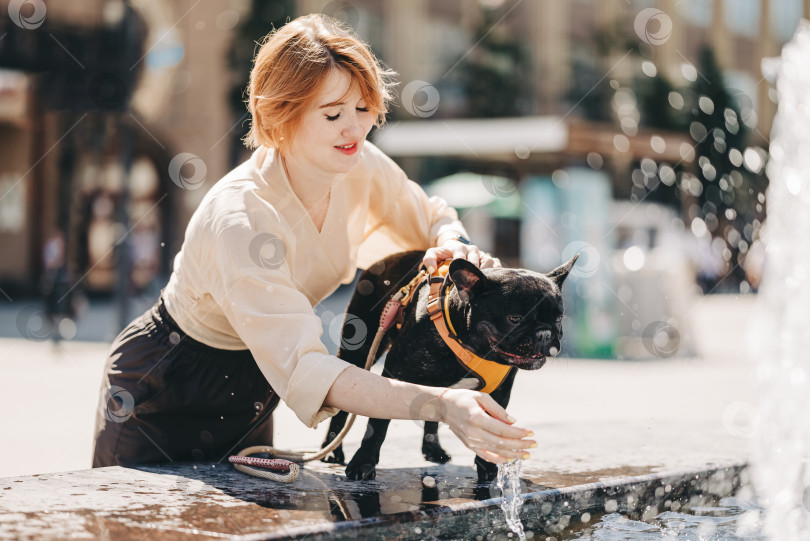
(733, 519)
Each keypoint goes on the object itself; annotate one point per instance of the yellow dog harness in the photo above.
(489, 373)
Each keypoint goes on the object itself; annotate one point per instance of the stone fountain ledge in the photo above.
(199, 501)
(550, 512)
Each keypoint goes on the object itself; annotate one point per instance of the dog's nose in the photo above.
(543, 336)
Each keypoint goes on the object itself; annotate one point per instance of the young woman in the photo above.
(234, 331)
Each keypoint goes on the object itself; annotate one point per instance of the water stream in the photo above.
(781, 336)
(509, 482)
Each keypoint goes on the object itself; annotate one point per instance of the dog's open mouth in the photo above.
(526, 363)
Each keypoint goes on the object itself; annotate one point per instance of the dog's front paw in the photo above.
(433, 452)
(335, 457)
(361, 472)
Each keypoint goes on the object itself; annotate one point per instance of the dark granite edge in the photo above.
(547, 510)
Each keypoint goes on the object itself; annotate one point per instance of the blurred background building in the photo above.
(634, 132)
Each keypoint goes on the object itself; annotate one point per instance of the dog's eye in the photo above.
(515, 319)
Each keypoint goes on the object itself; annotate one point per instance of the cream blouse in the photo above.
(253, 265)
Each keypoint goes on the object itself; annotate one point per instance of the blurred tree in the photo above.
(589, 91)
(652, 95)
(592, 59)
(717, 125)
(263, 17)
(496, 76)
(731, 201)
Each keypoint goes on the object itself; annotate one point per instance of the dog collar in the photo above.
(489, 373)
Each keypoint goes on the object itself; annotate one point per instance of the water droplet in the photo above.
(595, 160)
(629, 126)
(709, 171)
(697, 131)
(698, 227)
(667, 176)
(706, 105)
(559, 178)
(753, 160)
(689, 72)
(735, 157)
(649, 167)
(676, 100)
(793, 183)
(658, 144)
(687, 152)
(621, 143)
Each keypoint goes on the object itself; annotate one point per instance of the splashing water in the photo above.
(509, 482)
(782, 340)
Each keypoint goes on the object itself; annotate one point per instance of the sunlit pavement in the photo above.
(593, 419)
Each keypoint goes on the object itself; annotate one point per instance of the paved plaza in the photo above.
(588, 415)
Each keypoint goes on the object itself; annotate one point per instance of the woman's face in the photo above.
(331, 134)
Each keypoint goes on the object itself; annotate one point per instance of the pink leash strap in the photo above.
(273, 464)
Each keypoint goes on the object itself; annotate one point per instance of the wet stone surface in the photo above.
(199, 501)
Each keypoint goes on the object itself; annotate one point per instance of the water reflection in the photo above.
(323, 492)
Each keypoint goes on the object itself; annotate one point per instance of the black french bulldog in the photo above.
(510, 316)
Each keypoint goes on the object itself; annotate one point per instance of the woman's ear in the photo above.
(468, 278)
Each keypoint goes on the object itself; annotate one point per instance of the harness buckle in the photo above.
(434, 307)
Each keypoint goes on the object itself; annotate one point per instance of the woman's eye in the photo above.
(363, 109)
(515, 319)
(332, 118)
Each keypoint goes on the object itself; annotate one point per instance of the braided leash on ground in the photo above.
(283, 467)
(283, 471)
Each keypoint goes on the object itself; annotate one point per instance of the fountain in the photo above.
(509, 482)
(782, 339)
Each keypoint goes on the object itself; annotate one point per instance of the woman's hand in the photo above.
(455, 249)
(483, 425)
(478, 421)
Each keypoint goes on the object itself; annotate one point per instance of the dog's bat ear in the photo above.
(468, 278)
(559, 274)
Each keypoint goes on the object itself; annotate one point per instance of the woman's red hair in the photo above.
(290, 67)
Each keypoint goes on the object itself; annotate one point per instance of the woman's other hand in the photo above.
(483, 425)
(456, 249)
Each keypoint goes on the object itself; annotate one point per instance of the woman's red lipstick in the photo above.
(348, 150)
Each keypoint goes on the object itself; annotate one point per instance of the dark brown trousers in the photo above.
(166, 397)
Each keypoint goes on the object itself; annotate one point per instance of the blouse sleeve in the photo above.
(258, 296)
(402, 216)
